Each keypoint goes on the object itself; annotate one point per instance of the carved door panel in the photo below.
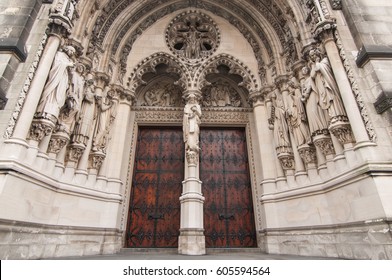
(224, 171)
(154, 213)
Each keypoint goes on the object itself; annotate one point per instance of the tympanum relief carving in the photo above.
(161, 94)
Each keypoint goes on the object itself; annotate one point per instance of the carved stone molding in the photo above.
(354, 86)
(226, 116)
(23, 94)
(156, 114)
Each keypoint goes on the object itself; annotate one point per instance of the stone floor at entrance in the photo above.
(212, 254)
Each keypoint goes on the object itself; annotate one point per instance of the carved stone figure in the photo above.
(106, 110)
(86, 116)
(329, 97)
(162, 95)
(221, 95)
(278, 120)
(191, 123)
(54, 93)
(296, 115)
(317, 117)
(73, 103)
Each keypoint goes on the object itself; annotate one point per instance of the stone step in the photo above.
(131, 251)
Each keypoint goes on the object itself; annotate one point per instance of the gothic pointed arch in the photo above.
(272, 28)
(159, 68)
(232, 69)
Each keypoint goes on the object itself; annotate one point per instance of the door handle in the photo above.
(226, 217)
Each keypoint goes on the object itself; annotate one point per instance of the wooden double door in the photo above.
(154, 212)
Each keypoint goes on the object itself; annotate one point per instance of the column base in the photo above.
(191, 242)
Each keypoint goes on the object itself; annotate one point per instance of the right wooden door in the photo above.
(224, 171)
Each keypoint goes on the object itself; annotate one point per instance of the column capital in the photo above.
(258, 97)
(127, 97)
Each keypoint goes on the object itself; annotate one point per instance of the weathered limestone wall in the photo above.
(370, 23)
(16, 21)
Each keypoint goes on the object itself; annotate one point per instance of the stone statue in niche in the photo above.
(162, 96)
(191, 123)
(86, 117)
(317, 117)
(73, 103)
(221, 95)
(278, 121)
(296, 115)
(106, 115)
(327, 89)
(55, 90)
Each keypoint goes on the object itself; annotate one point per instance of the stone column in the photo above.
(192, 240)
(354, 131)
(264, 140)
(121, 139)
(60, 25)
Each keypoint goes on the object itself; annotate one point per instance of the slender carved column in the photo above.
(280, 126)
(270, 166)
(60, 19)
(115, 155)
(192, 240)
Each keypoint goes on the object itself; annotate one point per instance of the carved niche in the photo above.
(192, 35)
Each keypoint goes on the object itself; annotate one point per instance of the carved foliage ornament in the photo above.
(192, 35)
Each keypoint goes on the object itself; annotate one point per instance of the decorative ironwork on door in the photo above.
(224, 171)
(154, 213)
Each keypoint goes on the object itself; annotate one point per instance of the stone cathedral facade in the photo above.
(196, 124)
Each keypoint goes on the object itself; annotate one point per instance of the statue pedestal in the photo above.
(191, 240)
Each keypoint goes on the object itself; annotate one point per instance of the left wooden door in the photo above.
(154, 212)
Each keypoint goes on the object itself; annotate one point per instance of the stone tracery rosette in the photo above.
(192, 35)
